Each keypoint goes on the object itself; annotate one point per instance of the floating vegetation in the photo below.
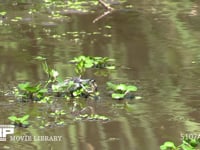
(121, 91)
(92, 117)
(3, 13)
(26, 91)
(57, 115)
(19, 121)
(187, 144)
(70, 89)
(94, 62)
(16, 19)
(74, 87)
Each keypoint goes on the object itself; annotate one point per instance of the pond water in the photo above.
(156, 47)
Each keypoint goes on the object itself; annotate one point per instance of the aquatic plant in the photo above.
(72, 87)
(187, 144)
(19, 121)
(84, 62)
(46, 100)
(51, 73)
(58, 113)
(75, 87)
(3, 13)
(94, 62)
(27, 91)
(121, 91)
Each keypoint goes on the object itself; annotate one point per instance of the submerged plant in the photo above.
(121, 91)
(19, 121)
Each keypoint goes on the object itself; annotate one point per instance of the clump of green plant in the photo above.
(72, 87)
(92, 62)
(121, 91)
(76, 87)
(27, 91)
(187, 144)
(19, 121)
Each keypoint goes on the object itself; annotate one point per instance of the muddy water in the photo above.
(156, 47)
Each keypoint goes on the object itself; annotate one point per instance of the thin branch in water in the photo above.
(109, 10)
(101, 16)
(107, 6)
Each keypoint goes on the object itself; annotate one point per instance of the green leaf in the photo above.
(53, 114)
(46, 68)
(24, 86)
(111, 85)
(25, 123)
(43, 91)
(3, 13)
(12, 118)
(40, 58)
(121, 87)
(60, 122)
(168, 146)
(194, 142)
(117, 96)
(89, 64)
(187, 147)
(32, 89)
(131, 88)
(24, 118)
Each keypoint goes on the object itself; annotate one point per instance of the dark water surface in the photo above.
(156, 45)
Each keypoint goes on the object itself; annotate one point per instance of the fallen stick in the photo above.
(107, 6)
(101, 16)
(109, 10)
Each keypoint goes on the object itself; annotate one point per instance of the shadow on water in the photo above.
(156, 47)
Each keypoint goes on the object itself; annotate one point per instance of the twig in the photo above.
(107, 6)
(101, 16)
(109, 10)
